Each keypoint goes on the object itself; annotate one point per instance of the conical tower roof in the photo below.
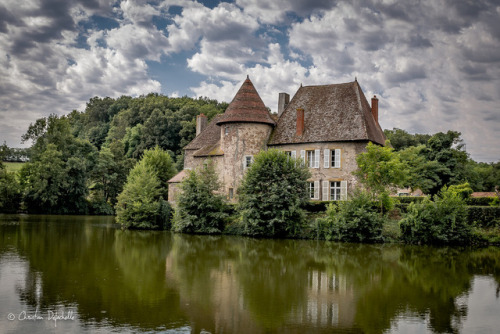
(246, 107)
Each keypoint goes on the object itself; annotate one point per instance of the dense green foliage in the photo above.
(142, 204)
(440, 221)
(199, 208)
(434, 161)
(272, 195)
(80, 162)
(380, 170)
(400, 139)
(10, 194)
(356, 220)
(484, 216)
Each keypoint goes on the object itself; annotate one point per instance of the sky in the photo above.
(433, 64)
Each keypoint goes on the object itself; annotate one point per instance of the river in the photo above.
(83, 274)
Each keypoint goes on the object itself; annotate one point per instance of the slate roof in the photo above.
(178, 177)
(208, 137)
(247, 106)
(338, 112)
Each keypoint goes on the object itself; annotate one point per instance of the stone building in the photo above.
(326, 126)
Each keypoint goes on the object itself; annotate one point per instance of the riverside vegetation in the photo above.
(96, 162)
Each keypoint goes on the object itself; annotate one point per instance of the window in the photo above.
(231, 193)
(288, 153)
(311, 190)
(335, 191)
(312, 159)
(247, 161)
(336, 158)
(332, 158)
(226, 130)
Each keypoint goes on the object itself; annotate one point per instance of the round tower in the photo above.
(245, 129)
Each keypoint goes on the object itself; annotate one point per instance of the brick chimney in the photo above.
(283, 100)
(375, 107)
(300, 121)
(201, 123)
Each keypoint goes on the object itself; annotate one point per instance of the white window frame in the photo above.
(335, 190)
(336, 158)
(311, 189)
(246, 162)
(294, 154)
(310, 159)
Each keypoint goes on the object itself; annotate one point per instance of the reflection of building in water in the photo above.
(330, 301)
(221, 308)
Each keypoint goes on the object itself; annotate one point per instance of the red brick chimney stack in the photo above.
(375, 107)
(201, 123)
(300, 121)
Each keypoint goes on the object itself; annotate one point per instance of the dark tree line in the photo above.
(79, 162)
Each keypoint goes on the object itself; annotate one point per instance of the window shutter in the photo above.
(343, 190)
(303, 156)
(316, 189)
(325, 190)
(316, 158)
(337, 158)
(294, 154)
(326, 154)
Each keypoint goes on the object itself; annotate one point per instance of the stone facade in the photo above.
(239, 142)
(327, 126)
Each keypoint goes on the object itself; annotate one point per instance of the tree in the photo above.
(200, 209)
(162, 164)
(380, 168)
(53, 186)
(140, 204)
(400, 139)
(10, 191)
(422, 173)
(273, 194)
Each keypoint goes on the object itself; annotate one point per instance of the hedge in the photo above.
(479, 201)
(484, 216)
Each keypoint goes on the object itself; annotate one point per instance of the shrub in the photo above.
(356, 220)
(462, 190)
(442, 221)
(272, 195)
(199, 208)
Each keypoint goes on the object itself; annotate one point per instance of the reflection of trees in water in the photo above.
(109, 275)
(228, 284)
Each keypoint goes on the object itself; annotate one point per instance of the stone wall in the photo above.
(237, 141)
(349, 151)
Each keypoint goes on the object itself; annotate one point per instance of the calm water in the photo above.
(98, 278)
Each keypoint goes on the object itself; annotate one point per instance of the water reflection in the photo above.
(152, 281)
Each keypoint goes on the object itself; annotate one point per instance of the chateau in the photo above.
(327, 126)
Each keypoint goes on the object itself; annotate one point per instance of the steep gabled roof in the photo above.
(247, 106)
(208, 137)
(332, 113)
